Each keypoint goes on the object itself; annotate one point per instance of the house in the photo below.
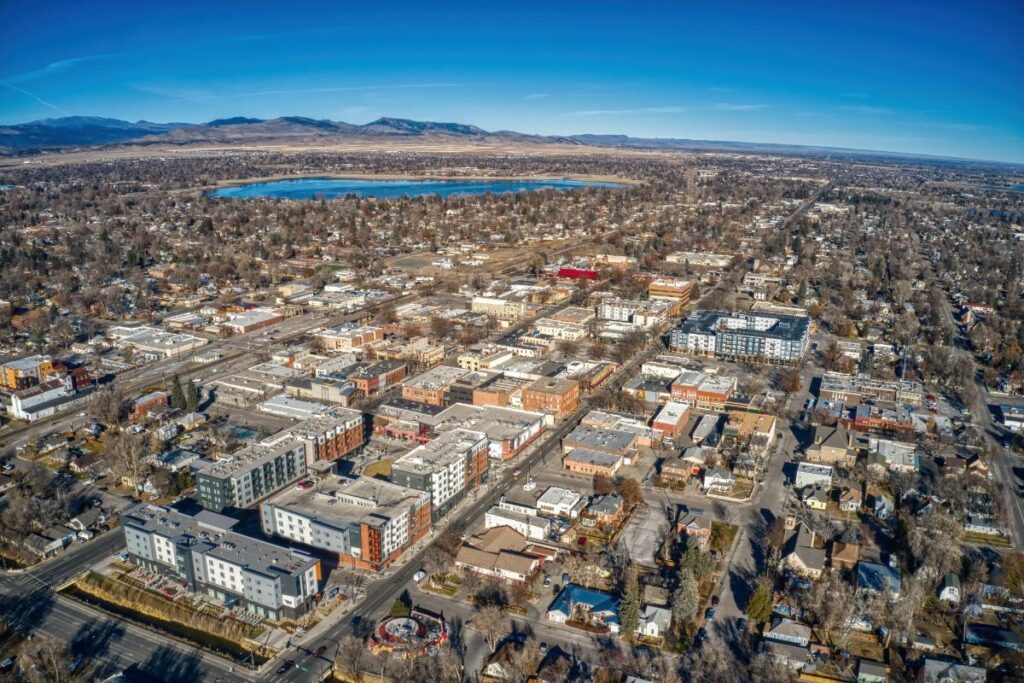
(578, 604)
(882, 506)
(606, 509)
(992, 637)
(718, 480)
(830, 445)
(696, 526)
(499, 552)
(949, 590)
(815, 497)
(845, 555)
(875, 577)
(654, 622)
(800, 554)
(850, 500)
(791, 656)
(504, 665)
(789, 631)
(949, 671)
(677, 470)
(872, 672)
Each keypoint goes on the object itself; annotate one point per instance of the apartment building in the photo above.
(431, 387)
(373, 379)
(763, 337)
(446, 467)
(23, 373)
(368, 523)
(203, 552)
(326, 437)
(243, 478)
(557, 397)
(642, 313)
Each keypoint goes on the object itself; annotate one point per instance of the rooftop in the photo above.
(339, 501)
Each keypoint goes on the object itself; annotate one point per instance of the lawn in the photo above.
(722, 536)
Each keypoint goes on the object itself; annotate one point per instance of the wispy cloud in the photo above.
(619, 112)
(197, 96)
(732, 106)
(866, 109)
(51, 69)
(35, 97)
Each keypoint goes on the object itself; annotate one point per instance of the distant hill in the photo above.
(91, 131)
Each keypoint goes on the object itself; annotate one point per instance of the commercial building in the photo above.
(557, 397)
(251, 474)
(588, 462)
(762, 337)
(348, 337)
(676, 291)
(156, 342)
(853, 389)
(374, 379)
(508, 431)
(211, 559)
(672, 419)
(445, 467)
(703, 391)
(366, 522)
(502, 309)
(252, 320)
(638, 312)
(561, 502)
(530, 526)
(431, 387)
(620, 443)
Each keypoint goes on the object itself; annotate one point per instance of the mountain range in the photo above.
(92, 131)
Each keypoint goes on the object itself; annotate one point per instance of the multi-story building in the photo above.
(446, 467)
(211, 559)
(502, 309)
(23, 373)
(677, 291)
(461, 391)
(672, 419)
(431, 387)
(852, 389)
(642, 313)
(508, 430)
(488, 358)
(762, 337)
(251, 474)
(373, 379)
(326, 437)
(703, 391)
(349, 337)
(552, 395)
(557, 329)
(366, 522)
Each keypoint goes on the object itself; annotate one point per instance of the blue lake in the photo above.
(314, 188)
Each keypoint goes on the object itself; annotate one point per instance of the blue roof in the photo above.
(878, 577)
(597, 601)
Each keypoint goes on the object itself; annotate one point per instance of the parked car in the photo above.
(709, 614)
(285, 666)
(321, 650)
(715, 600)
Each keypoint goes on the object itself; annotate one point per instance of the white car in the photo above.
(530, 485)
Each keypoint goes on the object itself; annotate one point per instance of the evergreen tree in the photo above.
(684, 601)
(192, 397)
(759, 607)
(629, 606)
(177, 394)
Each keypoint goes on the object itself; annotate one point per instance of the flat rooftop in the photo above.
(212, 534)
(436, 378)
(341, 501)
(249, 457)
(448, 448)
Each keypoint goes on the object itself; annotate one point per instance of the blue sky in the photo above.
(925, 77)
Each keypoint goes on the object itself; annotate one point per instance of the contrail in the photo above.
(35, 97)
